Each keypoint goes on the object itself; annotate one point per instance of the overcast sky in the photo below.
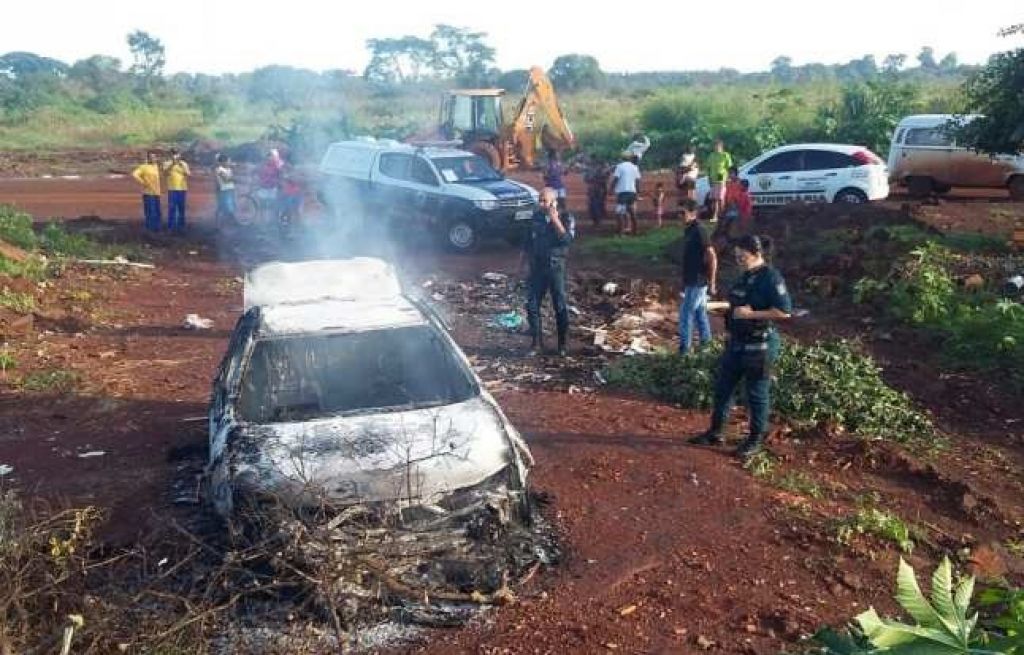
(216, 36)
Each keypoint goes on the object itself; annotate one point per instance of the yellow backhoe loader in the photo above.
(475, 117)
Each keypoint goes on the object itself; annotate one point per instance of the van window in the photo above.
(395, 165)
(899, 135)
(932, 137)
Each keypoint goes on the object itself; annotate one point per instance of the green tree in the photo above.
(396, 61)
(995, 92)
(782, 69)
(514, 80)
(867, 113)
(574, 72)
(20, 64)
(98, 73)
(949, 63)
(461, 55)
(893, 64)
(284, 87)
(927, 58)
(148, 59)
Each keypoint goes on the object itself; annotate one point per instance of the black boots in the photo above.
(711, 437)
(751, 446)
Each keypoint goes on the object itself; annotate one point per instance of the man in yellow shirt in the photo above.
(148, 177)
(177, 173)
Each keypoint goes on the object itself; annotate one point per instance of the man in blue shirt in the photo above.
(545, 249)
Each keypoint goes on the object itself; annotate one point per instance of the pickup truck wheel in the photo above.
(920, 187)
(460, 235)
(1017, 187)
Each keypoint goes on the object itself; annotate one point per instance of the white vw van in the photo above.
(925, 158)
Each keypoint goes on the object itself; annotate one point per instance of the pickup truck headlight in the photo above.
(486, 205)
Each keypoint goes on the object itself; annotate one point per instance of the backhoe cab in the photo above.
(475, 117)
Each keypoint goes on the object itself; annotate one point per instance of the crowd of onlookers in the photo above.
(278, 189)
(727, 203)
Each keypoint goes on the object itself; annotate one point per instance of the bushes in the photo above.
(977, 330)
(830, 385)
(16, 228)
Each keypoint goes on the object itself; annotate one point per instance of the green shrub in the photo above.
(878, 523)
(22, 303)
(53, 380)
(55, 240)
(827, 384)
(16, 228)
(977, 331)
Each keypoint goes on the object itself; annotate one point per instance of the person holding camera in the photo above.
(544, 251)
(757, 300)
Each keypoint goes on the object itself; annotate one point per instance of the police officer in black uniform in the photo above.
(757, 299)
(545, 249)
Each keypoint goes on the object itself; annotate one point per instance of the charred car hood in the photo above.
(416, 456)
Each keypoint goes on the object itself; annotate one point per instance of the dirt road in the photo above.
(669, 548)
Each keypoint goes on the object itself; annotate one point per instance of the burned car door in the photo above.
(225, 385)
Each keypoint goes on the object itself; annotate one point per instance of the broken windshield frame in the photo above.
(465, 168)
(308, 377)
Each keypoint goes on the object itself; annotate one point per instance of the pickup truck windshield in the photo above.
(303, 378)
(465, 169)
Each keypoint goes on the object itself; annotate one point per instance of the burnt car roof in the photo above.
(339, 316)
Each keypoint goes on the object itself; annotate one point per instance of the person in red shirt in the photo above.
(738, 212)
(268, 179)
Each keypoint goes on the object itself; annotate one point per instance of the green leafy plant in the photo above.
(22, 303)
(878, 523)
(943, 625)
(16, 228)
(1008, 627)
(54, 380)
(832, 385)
(761, 465)
(978, 331)
(799, 482)
(7, 360)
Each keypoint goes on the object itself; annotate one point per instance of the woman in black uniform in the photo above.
(757, 299)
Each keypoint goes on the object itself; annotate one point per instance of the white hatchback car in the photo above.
(338, 388)
(812, 172)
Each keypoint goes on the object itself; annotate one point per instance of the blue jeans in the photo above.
(176, 210)
(226, 204)
(694, 305)
(151, 212)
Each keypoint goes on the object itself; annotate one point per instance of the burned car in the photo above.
(340, 390)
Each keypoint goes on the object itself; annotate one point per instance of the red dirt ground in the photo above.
(669, 548)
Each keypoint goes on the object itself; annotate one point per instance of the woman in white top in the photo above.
(686, 174)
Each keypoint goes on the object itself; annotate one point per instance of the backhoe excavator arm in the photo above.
(540, 98)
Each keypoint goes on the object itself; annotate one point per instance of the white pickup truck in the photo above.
(454, 193)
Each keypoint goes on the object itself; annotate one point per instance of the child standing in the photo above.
(659, 202)
(225, 178)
